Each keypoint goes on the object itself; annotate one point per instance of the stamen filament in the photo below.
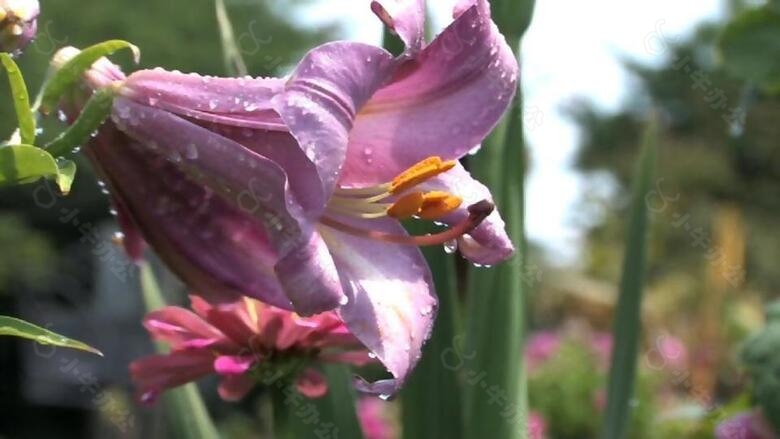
(477, 213)
(363, 191)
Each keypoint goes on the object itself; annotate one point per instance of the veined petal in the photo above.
(209, 243)
(442, 103)
(322, 97)
(242, 102)
(392, 304)
(489, 243)
(406, 18)
(183, 329)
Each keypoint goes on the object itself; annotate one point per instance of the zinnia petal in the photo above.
(233, 364)
(182, 329)
(235, 387)
(391, 305)
(442, 103)
(156, 373)
(311, 384)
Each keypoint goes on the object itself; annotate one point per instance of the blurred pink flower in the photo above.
(601, 344)
(537, 426)
(746, 425)
(18, 24)
(541, 346)
(245, 342)
(373, 419)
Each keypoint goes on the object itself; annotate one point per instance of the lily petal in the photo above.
(391, 305)
(304, 269)
(489, 243)
(442, 103)
(201, 237)
(323, 96)
(406, 18)
(243, 102)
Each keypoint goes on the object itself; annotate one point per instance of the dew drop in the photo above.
(153, 101)
(451, 247)
(384, 397)
(191, 151)
(372, 355)
(475, 150)
(344, 300)
(212, 104)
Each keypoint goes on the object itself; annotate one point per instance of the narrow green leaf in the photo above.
(21, 164)
(337, 407)
(750, 47)
(21, 99)
(20, 328)
(431, 400)
(234, 62)
(92, 116)
(186, 414)
(70, 73)
(627, 323)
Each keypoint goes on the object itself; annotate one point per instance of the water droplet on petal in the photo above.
(344, 300)
(475, 150)
(372, 355)
(191, 151)
(451, 247)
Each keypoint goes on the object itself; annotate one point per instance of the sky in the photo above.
(571, 51)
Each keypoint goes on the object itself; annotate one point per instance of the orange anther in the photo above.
(419, 173)
(437, 204)
(406, 206)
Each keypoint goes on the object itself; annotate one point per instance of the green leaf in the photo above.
(627, 324)
(19, 328)
(21, 99)
(94, 113)
(431, 400)
(69, 74)
(750, 47)
(185, 412)
(234, 62)
(21, 164)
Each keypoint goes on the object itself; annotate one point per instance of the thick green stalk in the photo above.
(627, 324)
(186, 415)
(496, 405)
(496, 327)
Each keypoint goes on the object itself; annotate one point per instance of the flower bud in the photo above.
(18, 24)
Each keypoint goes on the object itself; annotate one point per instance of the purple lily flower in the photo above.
(291, 190)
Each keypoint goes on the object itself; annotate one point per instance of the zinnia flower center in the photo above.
(369, 203)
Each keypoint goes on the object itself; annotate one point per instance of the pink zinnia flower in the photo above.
(374, 420)
(537, 426)
(246, 343)
(292, 190)
(747, 425)
(541, 346)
